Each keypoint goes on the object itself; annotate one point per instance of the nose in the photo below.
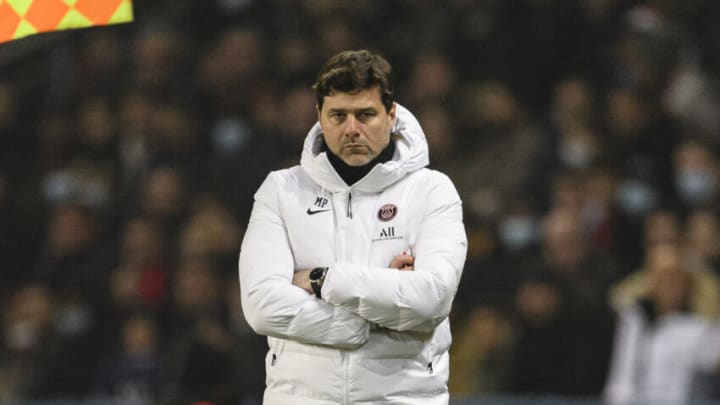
(352, 126)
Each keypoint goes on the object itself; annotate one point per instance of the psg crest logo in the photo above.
(387, 212)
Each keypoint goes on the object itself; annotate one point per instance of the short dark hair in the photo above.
(353, 71)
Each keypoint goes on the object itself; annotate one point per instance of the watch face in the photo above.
(317, 273)
(317, 276)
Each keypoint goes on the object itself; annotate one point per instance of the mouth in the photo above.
(353, 146)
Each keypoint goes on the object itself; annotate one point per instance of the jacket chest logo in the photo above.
(318, 206)
(387, 212)
(387, 232)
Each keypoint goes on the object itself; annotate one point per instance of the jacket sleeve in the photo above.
(410, 300)
(620, 386)
(271, 304)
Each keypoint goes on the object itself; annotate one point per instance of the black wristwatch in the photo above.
(317, 277)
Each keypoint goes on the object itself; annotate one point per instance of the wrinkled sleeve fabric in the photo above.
(271, 304)
(410, 300)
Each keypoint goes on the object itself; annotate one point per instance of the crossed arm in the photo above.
(402, 262)
(413, 294)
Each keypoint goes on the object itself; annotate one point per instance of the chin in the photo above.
(354, 161)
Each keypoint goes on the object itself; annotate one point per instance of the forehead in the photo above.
(365, 98)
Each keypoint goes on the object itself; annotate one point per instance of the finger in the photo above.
(400, 261)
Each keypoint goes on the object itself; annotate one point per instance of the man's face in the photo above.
(356, 126)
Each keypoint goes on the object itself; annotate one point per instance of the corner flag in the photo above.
(20, 18)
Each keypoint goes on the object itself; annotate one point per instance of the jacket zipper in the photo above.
(347, 378)
(349, 206)
(346, 355)
(429, 359)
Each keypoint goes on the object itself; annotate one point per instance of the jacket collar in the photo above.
(411, 154)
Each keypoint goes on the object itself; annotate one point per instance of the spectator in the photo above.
(144, 253)
(27, 335)
(135, 108)
(641, 139)
(564, 331)
(703, 299)
(573, 104)
(702, 239)
(42, 357)
(482, 354)
(440, 132)
(158, 59)
(432, 78)
(498, 135)
(174, 138)
(695, 169)
(75, 257)
(132, 373)
(212, 232)
(228, 70)
(163, 199)
(662, 344)
(201, 365)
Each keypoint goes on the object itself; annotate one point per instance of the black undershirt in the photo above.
(351, 174)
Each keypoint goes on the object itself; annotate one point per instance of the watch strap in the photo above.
(317, 277)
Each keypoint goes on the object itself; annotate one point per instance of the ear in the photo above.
(317, 108)
(392, 114)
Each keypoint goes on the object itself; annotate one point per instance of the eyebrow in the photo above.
(356, 110)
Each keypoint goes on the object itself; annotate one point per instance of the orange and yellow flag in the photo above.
(20, 18)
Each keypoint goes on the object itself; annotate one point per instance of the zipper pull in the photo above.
(349, 206)
(430, 368)
(274, 359)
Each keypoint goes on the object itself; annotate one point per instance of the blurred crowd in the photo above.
(583, 137)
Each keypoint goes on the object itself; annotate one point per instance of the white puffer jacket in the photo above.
(378, 335)
(657, 363)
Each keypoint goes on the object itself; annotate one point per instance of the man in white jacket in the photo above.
(661, 347)
(351, 260)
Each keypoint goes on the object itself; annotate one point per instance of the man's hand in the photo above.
(403, 262)
(301, 278)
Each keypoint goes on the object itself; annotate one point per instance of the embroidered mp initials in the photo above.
(320, 202)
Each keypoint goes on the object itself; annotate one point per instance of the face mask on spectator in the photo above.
(21, 336)
(229, 137)
(517, 233)
(576, 154)
(73, 321)
(636, 197)
(58, 186)
(695, 186)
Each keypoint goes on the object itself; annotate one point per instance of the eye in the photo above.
(337, 115)
(364, 115)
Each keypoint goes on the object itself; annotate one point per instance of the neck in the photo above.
(351, 174)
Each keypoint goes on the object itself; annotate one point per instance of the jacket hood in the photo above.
(411, 154)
